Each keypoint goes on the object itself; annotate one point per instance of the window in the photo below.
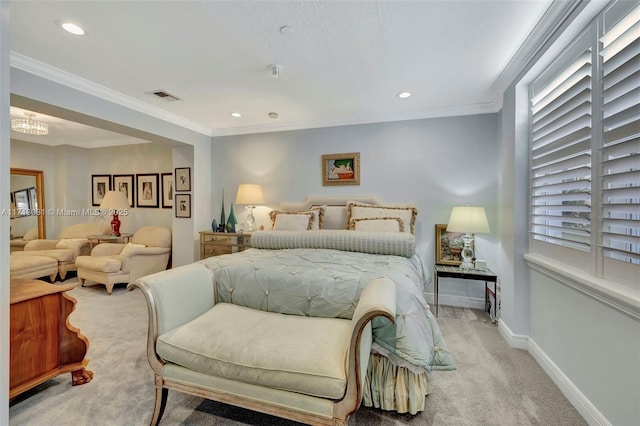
(585, 149)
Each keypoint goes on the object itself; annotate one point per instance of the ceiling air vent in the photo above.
(164, 95)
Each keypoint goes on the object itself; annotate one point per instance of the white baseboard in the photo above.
(517, 341)
(581, 403)
(589, 411)
(458, 301)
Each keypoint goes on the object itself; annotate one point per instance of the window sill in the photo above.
(615, 295)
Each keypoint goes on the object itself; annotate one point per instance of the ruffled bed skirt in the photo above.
(393, 388)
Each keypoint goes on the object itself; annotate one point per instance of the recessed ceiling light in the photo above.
(70, 27)
(404, 95)
(236, 114)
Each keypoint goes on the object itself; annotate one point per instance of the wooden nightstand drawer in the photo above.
(218, 243)
(215, 250)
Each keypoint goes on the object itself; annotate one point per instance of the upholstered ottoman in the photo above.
(33, 267)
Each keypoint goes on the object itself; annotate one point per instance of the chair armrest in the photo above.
(150, 251)
(174, 297)
(377, 299)
(40, 244)
(107, 249)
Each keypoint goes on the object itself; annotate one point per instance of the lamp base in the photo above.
(250, 224)
(115, 225)
(467, 252)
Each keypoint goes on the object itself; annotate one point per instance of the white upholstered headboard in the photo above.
(335, 215)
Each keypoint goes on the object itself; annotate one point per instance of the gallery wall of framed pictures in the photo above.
(147, 190)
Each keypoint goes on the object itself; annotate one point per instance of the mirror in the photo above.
(27, 194)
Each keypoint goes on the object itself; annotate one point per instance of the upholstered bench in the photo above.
(33, 267)
(308, 369)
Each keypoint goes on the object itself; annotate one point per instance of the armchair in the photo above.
(17, 244)
(111, 264)
(72, 243)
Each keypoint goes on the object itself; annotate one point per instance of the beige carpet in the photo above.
(493, 385)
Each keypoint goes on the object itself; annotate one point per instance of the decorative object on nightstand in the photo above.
(470, 220)
(231, 221)
(115, 203)
(249, 194)
(221, 226)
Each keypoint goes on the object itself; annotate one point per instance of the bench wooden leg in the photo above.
(161, 402)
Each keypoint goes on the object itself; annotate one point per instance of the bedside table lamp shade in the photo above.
(249, 194)
(470, 220)
(115, 202)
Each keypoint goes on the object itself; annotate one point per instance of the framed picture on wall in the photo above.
(183, 179)
(448, 246)
(341, 169)
(33, 198)
(21, 198)
(167, 190)
(183, 205)
(147, 190)
(100, 184)
(124, 183)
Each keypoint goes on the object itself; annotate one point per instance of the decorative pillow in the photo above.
(71, 243)
(317, 212)
(31, 234)
(408, 213)
(130, 249)
(385, 224)
(292, 221)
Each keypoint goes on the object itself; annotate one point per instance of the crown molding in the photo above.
(57, 75)
(559, 14)
(474, 109)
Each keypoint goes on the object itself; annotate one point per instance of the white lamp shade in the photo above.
(249, 194)
(114, 200)
(468, 219)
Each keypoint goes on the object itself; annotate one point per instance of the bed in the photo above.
(316, 260)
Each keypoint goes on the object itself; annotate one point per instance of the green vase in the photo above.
(231, 221)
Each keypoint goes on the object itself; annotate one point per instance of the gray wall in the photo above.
(435, 163)
(68, 178)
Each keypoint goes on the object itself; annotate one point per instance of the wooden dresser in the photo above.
(217, 243)
(42, 342)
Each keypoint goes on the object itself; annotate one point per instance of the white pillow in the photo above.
(130, 249)
(408, 213)
(317, 212)
(293, 222)
(386, 224)
(71, 243)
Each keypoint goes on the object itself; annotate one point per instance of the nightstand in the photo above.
(218, 243)
(445, 271)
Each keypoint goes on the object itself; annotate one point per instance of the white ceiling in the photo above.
(343, 62)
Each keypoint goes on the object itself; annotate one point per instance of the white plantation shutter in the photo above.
(561, 122)
(620, 159)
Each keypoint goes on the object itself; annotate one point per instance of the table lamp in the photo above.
(115, 202)
(469, 220)
(249, 194)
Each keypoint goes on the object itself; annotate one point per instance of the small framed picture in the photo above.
(183, 205)
(341, 169)
(448, 246)
(147, 190)
(21, 198)
(167, 190)
(100, 184)
(33, 198)
(183, 179)
(124, 183)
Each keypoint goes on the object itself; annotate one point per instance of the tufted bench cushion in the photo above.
(108, 264)
(293, 353)
(32, 266)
